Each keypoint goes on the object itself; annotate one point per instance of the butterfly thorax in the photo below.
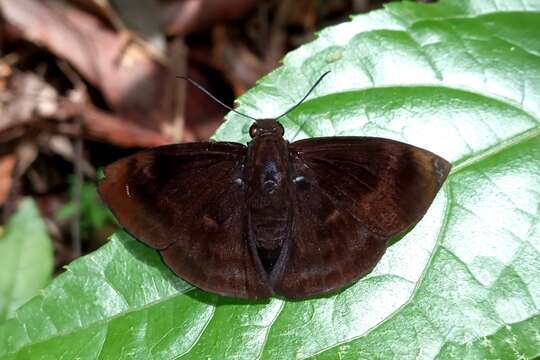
(268, 200)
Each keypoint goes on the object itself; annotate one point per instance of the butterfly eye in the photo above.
(280, 130)
(253, 130)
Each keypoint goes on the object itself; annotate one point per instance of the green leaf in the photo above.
(26, 259)
(94, 215)
(460, 78)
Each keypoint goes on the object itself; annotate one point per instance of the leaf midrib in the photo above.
(436, 247)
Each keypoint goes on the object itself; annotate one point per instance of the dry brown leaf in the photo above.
(184, 17)
(7, 164)
(130, 80)
(28, 96)
(116, 130)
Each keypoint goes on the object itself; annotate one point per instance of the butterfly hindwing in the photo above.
(187, 201)
(350, 195)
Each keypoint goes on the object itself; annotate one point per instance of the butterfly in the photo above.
(295, 219)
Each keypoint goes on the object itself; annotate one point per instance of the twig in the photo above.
(276, 44)
(77, 188)
(78, 159)
(174, 129)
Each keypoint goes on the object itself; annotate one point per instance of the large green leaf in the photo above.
(460, 78)
(26, 259)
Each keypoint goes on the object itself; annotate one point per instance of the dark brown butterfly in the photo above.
(296, 219)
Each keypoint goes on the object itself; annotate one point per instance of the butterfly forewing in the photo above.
(334, 203)
(386, 184)
(350, 196)
(187, 201)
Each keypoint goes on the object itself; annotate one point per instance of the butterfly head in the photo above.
(263, 127)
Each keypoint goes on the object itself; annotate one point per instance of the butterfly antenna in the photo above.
(200, 87)
(305, 96)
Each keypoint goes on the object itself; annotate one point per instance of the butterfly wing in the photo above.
(187, 201)
(350, 196)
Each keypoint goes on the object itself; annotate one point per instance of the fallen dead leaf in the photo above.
(183, 17)
(18, 107)
(7, 164)
(132, 82)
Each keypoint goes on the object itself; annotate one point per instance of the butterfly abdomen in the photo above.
(268, 199)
